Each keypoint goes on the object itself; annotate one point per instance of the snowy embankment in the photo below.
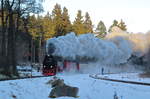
(89, 88)
(131, 77)
(87, 46)
(27, 71)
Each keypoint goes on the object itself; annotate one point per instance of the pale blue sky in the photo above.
(135, 13)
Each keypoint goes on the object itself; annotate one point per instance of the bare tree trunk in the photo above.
(3, 58)
(14, 39)
(11, 43)
(2, 15)
(2, 20)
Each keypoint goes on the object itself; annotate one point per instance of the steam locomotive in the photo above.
(51, 67)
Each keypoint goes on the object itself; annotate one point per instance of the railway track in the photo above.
(29, 77)
(116, 80)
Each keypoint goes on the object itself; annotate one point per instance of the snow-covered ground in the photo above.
(89, 88)
(85, 68)
(126, 77)
(28, 70)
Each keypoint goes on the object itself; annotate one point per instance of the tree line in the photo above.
(13, 14)
(24, 32)
(57, 23)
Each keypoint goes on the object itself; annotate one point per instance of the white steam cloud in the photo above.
(110, 51)
(139, 41)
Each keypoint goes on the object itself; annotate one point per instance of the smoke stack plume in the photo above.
(139, 41)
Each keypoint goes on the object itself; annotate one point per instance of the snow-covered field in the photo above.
(126, 77)
(89, 88)
(27, 70)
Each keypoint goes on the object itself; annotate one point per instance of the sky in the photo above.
(135, 13)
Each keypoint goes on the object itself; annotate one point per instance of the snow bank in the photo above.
(74, 47)
(89, 88)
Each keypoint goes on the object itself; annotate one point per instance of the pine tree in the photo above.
(78, 25)
(35, 28)
(88, 24)
(48, 27)
(101, 29)
(57, 19)
(67, 27)
(115, 23)
(122, 25)
(32, 26)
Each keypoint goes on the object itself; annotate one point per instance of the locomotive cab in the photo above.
(49, 65)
